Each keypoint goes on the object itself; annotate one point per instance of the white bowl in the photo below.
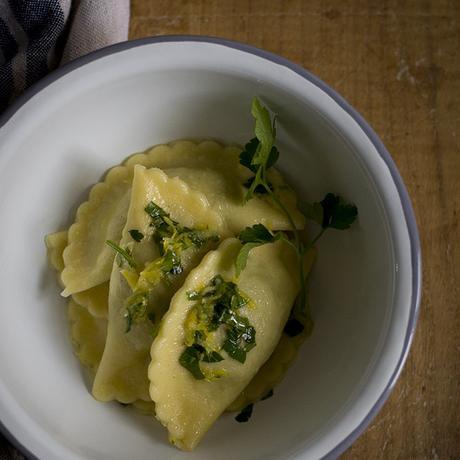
(68, 129)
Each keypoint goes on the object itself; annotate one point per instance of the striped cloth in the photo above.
(37, 36)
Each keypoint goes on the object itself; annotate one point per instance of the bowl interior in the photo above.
(60, 143)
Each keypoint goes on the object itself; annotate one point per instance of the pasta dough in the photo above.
(200, 185)
(123, 371)
(55, 245)
(186, 406)
(88, 335)
(275, 368)
(225, 193)
(88, 261)
(95, 300)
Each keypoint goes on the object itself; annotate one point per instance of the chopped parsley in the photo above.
(136, 309)
(215, 314)
(136, 235)
(190, 359)
(258, 155)
(124, 255)
(172, 239)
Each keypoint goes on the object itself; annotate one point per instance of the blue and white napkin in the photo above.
(36, 36)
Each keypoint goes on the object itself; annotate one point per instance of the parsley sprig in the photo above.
(258, 156)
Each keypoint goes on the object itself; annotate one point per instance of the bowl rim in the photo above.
(411, 224)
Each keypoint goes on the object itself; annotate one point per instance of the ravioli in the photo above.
(122, 374)
(143, 274)
(187, 407)
(55, 245)
(95, 300)
(88, 260)
(275, 368)
(225, 193)
(88, 335)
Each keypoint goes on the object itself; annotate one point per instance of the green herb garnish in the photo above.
(136, 309)
(258, 156)
(251, 237)
(245, 414)
(241, 337)
(216, 313)
(136, 235)
(331, 212)
(190, 359)
(172, 239)
(124, 254)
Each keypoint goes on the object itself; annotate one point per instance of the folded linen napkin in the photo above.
(37, 36)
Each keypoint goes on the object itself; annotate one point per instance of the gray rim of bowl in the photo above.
(403, 195)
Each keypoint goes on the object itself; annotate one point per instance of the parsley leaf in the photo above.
(331, 212)
(264, 131)
(241, 338)
(260, 153)
(258, 233)
(136, 235)
(242, 257)
(248, 153)
(212, 357)
(245, 414)
(251, 237)
(337, 213)
(190, 359)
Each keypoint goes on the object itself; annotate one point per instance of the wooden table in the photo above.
(398, 63)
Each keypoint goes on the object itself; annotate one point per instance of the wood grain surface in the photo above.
(398, 63)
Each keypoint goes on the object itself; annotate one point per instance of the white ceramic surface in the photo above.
(364, 290)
